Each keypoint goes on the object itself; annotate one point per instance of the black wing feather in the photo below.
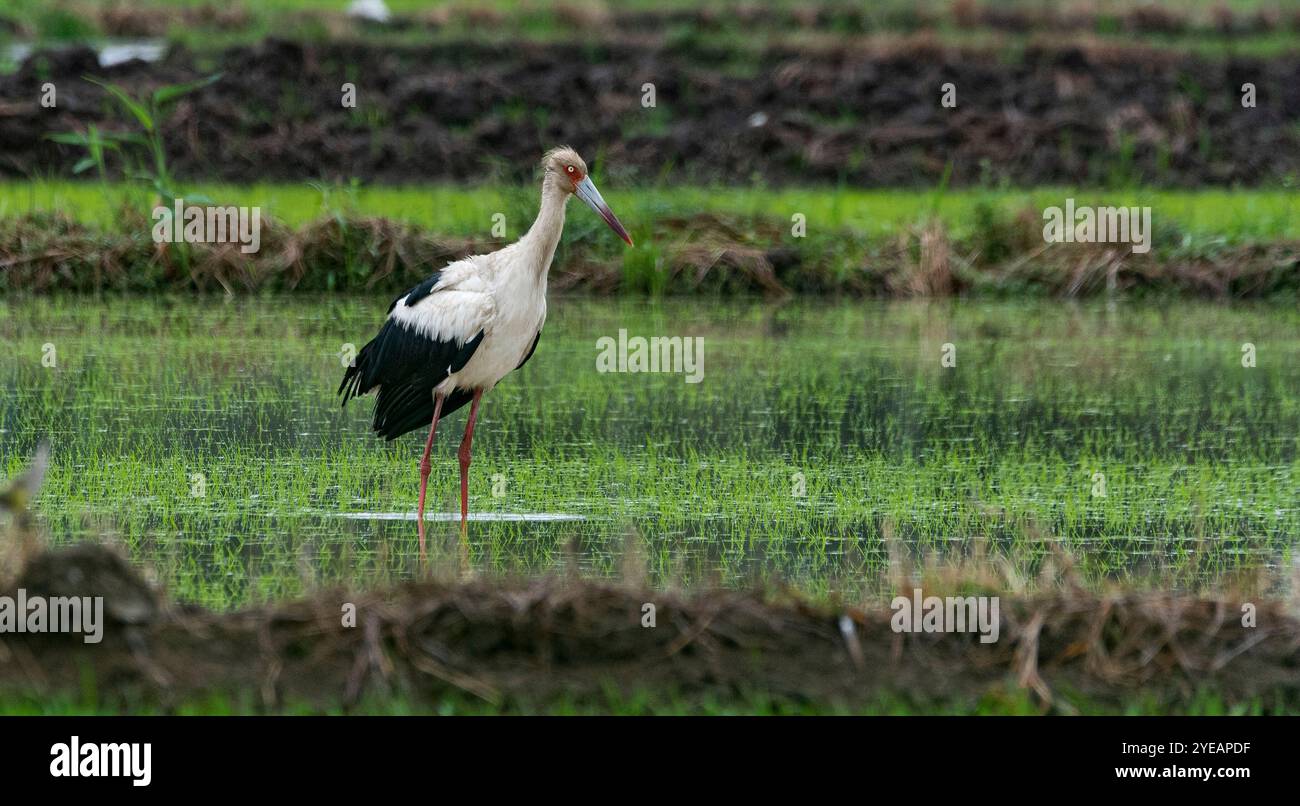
(406, 366)
(531, 350)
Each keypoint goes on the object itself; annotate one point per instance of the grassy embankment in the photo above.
(1217, 243)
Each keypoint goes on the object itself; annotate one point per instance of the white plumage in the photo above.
(501, 295)
(456, 335)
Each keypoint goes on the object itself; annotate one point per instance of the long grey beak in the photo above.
(588, 193)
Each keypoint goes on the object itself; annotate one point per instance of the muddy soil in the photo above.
(528, 643)
(867, 116)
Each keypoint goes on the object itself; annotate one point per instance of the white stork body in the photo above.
(501, 294)
(458, 333)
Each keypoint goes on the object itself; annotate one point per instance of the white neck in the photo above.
(543, 236)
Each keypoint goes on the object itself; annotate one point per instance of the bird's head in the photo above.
(566, 171)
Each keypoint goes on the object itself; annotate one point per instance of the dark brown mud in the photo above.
(530, 643)
(865, 116)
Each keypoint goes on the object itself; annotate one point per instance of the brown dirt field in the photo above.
(868, 116)
(537, 641)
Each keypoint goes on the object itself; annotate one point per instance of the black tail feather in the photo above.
(419, 414)
(406, 367)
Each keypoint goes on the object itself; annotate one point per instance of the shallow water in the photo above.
(204, 435)
(473, 517)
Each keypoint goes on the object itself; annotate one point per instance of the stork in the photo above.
(457, 334)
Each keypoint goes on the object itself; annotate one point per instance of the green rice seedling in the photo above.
(204, 436)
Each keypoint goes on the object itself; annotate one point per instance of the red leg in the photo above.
(464, 461)
(425, 467)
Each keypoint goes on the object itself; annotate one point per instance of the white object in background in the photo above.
(372, 10)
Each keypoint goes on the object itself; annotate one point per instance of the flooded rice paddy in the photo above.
(204, 435)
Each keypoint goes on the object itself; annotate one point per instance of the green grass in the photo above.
(53, 23)
(690, 483)
(1233, 215)
(407, 6)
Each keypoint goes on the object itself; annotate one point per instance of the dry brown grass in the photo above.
(713, 254)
